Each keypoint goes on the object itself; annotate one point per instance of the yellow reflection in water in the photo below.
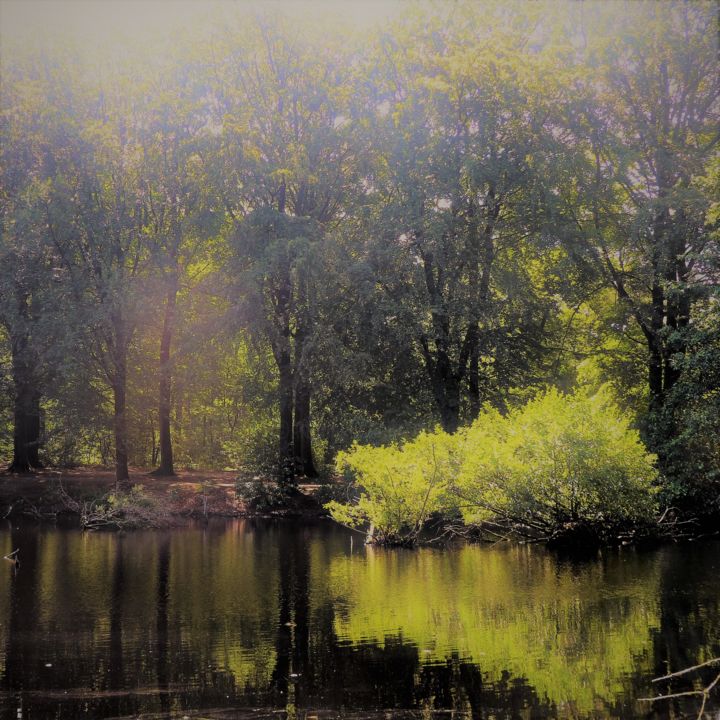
(221, 605)
(573, 632)
(224, 591)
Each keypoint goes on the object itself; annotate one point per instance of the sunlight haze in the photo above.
(114, 26)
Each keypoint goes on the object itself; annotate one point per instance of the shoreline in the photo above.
(188, 495)
(200, 495)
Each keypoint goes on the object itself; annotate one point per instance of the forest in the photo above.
(469, 259)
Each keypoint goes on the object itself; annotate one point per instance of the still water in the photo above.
(245, 619)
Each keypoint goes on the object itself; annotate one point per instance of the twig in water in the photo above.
(687, 670)
(14, 558)
(704, 692)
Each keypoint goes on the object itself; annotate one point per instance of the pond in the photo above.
(239, 619)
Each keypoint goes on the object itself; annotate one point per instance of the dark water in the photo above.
(241, 619)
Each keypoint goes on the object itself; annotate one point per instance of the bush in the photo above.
(400, 486)
(120, 510)
(262, 496)
(560, 464)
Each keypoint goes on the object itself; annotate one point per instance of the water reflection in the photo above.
(574, 633)
(243, 615)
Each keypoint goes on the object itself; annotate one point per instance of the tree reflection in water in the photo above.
(270, 615)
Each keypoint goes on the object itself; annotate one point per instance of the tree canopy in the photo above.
(283, 235)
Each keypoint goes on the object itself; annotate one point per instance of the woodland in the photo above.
(468, 260)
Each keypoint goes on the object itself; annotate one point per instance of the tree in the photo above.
(28, 300)
(692, 406)
(171, 134)
(283, 168)
(457, 119)
(648, 124)
(96, 222)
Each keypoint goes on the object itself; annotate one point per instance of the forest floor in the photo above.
(189, 493)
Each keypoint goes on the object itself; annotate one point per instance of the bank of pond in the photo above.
(568, 470)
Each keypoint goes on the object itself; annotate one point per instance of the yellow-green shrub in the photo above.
(558, 463)
(559, 460)
(401, 485)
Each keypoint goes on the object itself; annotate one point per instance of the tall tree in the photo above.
(176, 219)
(646, 128)
(28, 309)
(457, 120)
(284, 167)
(96, 221)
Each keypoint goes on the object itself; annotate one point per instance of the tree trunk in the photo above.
(678, 303)
(474, 378)
(302, 440)
(283, 358)
(122, 476)
(166, 453)
(670, 307)
(657, 321)
(445, 386)
(286, 465)
(473, 335)
(154, 454)
(35, 430)
(655, 375)
(25, 437)
(483, 297)
(444, 380)
(450, 405)
(26, 431)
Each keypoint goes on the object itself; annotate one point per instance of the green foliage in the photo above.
(261, 496)
(401, 486)
(558, 462)
(555, 464)
(688, 427)
(301, 238)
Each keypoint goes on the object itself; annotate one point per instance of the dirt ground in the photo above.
(188, 493)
